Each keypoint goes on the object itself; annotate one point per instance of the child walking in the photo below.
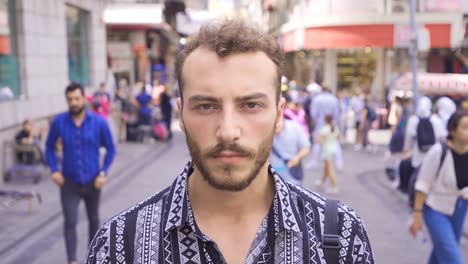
(329, 138)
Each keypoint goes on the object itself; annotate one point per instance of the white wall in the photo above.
(42, 55)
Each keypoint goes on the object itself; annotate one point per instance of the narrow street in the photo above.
(142, 170)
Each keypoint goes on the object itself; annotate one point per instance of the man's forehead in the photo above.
(241, 72)
(204, 56)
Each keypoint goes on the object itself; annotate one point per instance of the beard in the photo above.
(76, 111)
(227, 181)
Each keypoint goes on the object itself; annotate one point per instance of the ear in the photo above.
(180, 108)
(279, 117)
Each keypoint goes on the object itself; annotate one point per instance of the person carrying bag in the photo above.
(441, 197)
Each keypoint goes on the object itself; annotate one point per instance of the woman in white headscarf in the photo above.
(445, 109)
(423, 111)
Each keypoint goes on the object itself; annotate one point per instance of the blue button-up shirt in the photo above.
(80, 146)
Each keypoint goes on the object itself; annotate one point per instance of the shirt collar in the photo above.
(180, 211)
(87, 115)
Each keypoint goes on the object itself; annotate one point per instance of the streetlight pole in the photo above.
(414, 50)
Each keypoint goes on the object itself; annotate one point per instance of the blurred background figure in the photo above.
(357, 106)
(445, 108)
(101, 102)
(144, 102)
(165, 103)
(323, 104)
(328, 139)
(290, 146)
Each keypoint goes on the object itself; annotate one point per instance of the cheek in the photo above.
(200, 129)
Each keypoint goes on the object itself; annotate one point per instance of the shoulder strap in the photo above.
(442, 157)
(277, 153)
(331, 239)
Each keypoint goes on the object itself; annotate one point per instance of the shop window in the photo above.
(77, 21)
(9, 81)
(356, 68)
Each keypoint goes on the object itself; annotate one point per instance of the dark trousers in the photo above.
(71, 194)
(168, 121)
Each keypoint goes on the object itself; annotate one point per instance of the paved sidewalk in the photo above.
(17, 223)
(363, 186)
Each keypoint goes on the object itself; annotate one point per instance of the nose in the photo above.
(228, 130)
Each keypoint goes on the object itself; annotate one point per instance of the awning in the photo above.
(435, 83)
(134, 15)
(361, 36)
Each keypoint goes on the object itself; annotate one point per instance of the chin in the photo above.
(230, 178)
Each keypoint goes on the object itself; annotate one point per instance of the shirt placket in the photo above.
(79, 154)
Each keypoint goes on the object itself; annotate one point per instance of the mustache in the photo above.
(231, 147)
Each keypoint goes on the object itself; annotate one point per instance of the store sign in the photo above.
(402, 37)
(119, 50)
(121, 65)
(442, 5)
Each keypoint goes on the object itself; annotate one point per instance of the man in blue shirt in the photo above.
(80, 176)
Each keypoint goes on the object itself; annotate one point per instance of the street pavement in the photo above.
(142, 170)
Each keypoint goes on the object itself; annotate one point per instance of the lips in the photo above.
(228, 158)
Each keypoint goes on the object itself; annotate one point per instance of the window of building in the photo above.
(9, 81)
(77, 21)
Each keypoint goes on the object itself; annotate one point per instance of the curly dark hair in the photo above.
(231, 36)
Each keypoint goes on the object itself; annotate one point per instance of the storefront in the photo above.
(365, 42)
(356, 67)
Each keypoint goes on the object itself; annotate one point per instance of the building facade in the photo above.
(45, 44)
(363, 43)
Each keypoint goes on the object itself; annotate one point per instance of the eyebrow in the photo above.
(249, 97)
(207, 98)
(204, 98)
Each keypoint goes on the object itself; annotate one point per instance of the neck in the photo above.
(258, 196)
(459, 147)
(79, 118)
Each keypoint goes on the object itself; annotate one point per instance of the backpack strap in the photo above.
(442, 157)
(277, 153)
(331, 239)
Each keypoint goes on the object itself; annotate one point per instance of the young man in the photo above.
(228, 205)
(290, 146)
(81, 177)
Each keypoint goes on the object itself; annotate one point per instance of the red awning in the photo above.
(361, 36)
(435, 83)
(355, 36)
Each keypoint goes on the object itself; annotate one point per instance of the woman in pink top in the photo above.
(295, 112)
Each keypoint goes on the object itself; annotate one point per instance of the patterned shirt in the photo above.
(162, 229)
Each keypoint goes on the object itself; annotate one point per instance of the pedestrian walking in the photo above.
(144, 102)
(290, 146)
(400, 115)
(329, 139)
(228, 205)
(357, 106)
(101, 102)
(166, 109)
(424, 129)
(441, 198)
(445, 109)
(368, 117)
(295, 112)
(324, 104)
(80, 175)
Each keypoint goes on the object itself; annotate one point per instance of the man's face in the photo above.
(76, 102)
(229, 115)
